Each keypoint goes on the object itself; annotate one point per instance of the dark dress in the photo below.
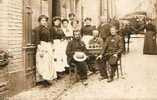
(42, 39)
(150, 46)
(57, 32)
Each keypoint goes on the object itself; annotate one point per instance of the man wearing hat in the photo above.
(76, 55)
(71, 17)
(104, 28)
(111, 52)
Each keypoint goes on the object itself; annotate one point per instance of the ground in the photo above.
(139, 82)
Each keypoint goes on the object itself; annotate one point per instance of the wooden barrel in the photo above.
(3, 83)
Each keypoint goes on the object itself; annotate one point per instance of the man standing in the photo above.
(88, 28)
(71, 17)
(76, 56)
(111, 52)
(104, 28)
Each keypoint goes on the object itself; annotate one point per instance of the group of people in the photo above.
(142, 25)
(51, 42)
(65, 45)
(61, 46)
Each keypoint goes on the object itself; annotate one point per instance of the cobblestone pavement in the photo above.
(139, 82)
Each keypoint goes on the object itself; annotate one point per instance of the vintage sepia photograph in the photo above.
(78, 49)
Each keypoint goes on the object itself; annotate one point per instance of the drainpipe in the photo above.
(108, 16)
(82, 11)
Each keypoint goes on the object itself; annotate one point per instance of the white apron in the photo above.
(44, 61)
(60, 58)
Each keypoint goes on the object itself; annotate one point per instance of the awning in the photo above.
(136, 13)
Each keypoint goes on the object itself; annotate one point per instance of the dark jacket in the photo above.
(57, 32)
(112, 45)
(40, 33)
(73, 46)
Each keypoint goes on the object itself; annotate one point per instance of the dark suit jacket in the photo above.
(74, 46)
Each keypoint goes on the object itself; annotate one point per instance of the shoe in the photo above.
(84, 82)
(46, 84)
(102, 78)
(109, 80)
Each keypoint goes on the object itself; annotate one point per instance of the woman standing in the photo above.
(75, 25)
(58, 43)
(57, 32)
(66, 28)
(44, 58)
(150, 46)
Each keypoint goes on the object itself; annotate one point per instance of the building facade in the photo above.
(17, 19)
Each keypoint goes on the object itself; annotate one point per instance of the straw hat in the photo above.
(79, 56)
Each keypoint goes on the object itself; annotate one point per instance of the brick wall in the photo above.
(11, 38)
(3, 25)
(11, 31)
(15, 33)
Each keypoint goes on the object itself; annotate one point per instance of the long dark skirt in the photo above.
(150, 46)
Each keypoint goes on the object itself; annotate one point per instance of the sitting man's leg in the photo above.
(90, 62)
(102, 69)
(82, 71)
(112, 67)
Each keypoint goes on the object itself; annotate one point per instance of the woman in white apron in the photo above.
(68, 31)
(58, 44)
(44, 54)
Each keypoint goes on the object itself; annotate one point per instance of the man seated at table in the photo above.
(95, 46)
(76, 56)
(96, 39)
(111, 52)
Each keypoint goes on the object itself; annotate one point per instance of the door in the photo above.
(28, 47)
